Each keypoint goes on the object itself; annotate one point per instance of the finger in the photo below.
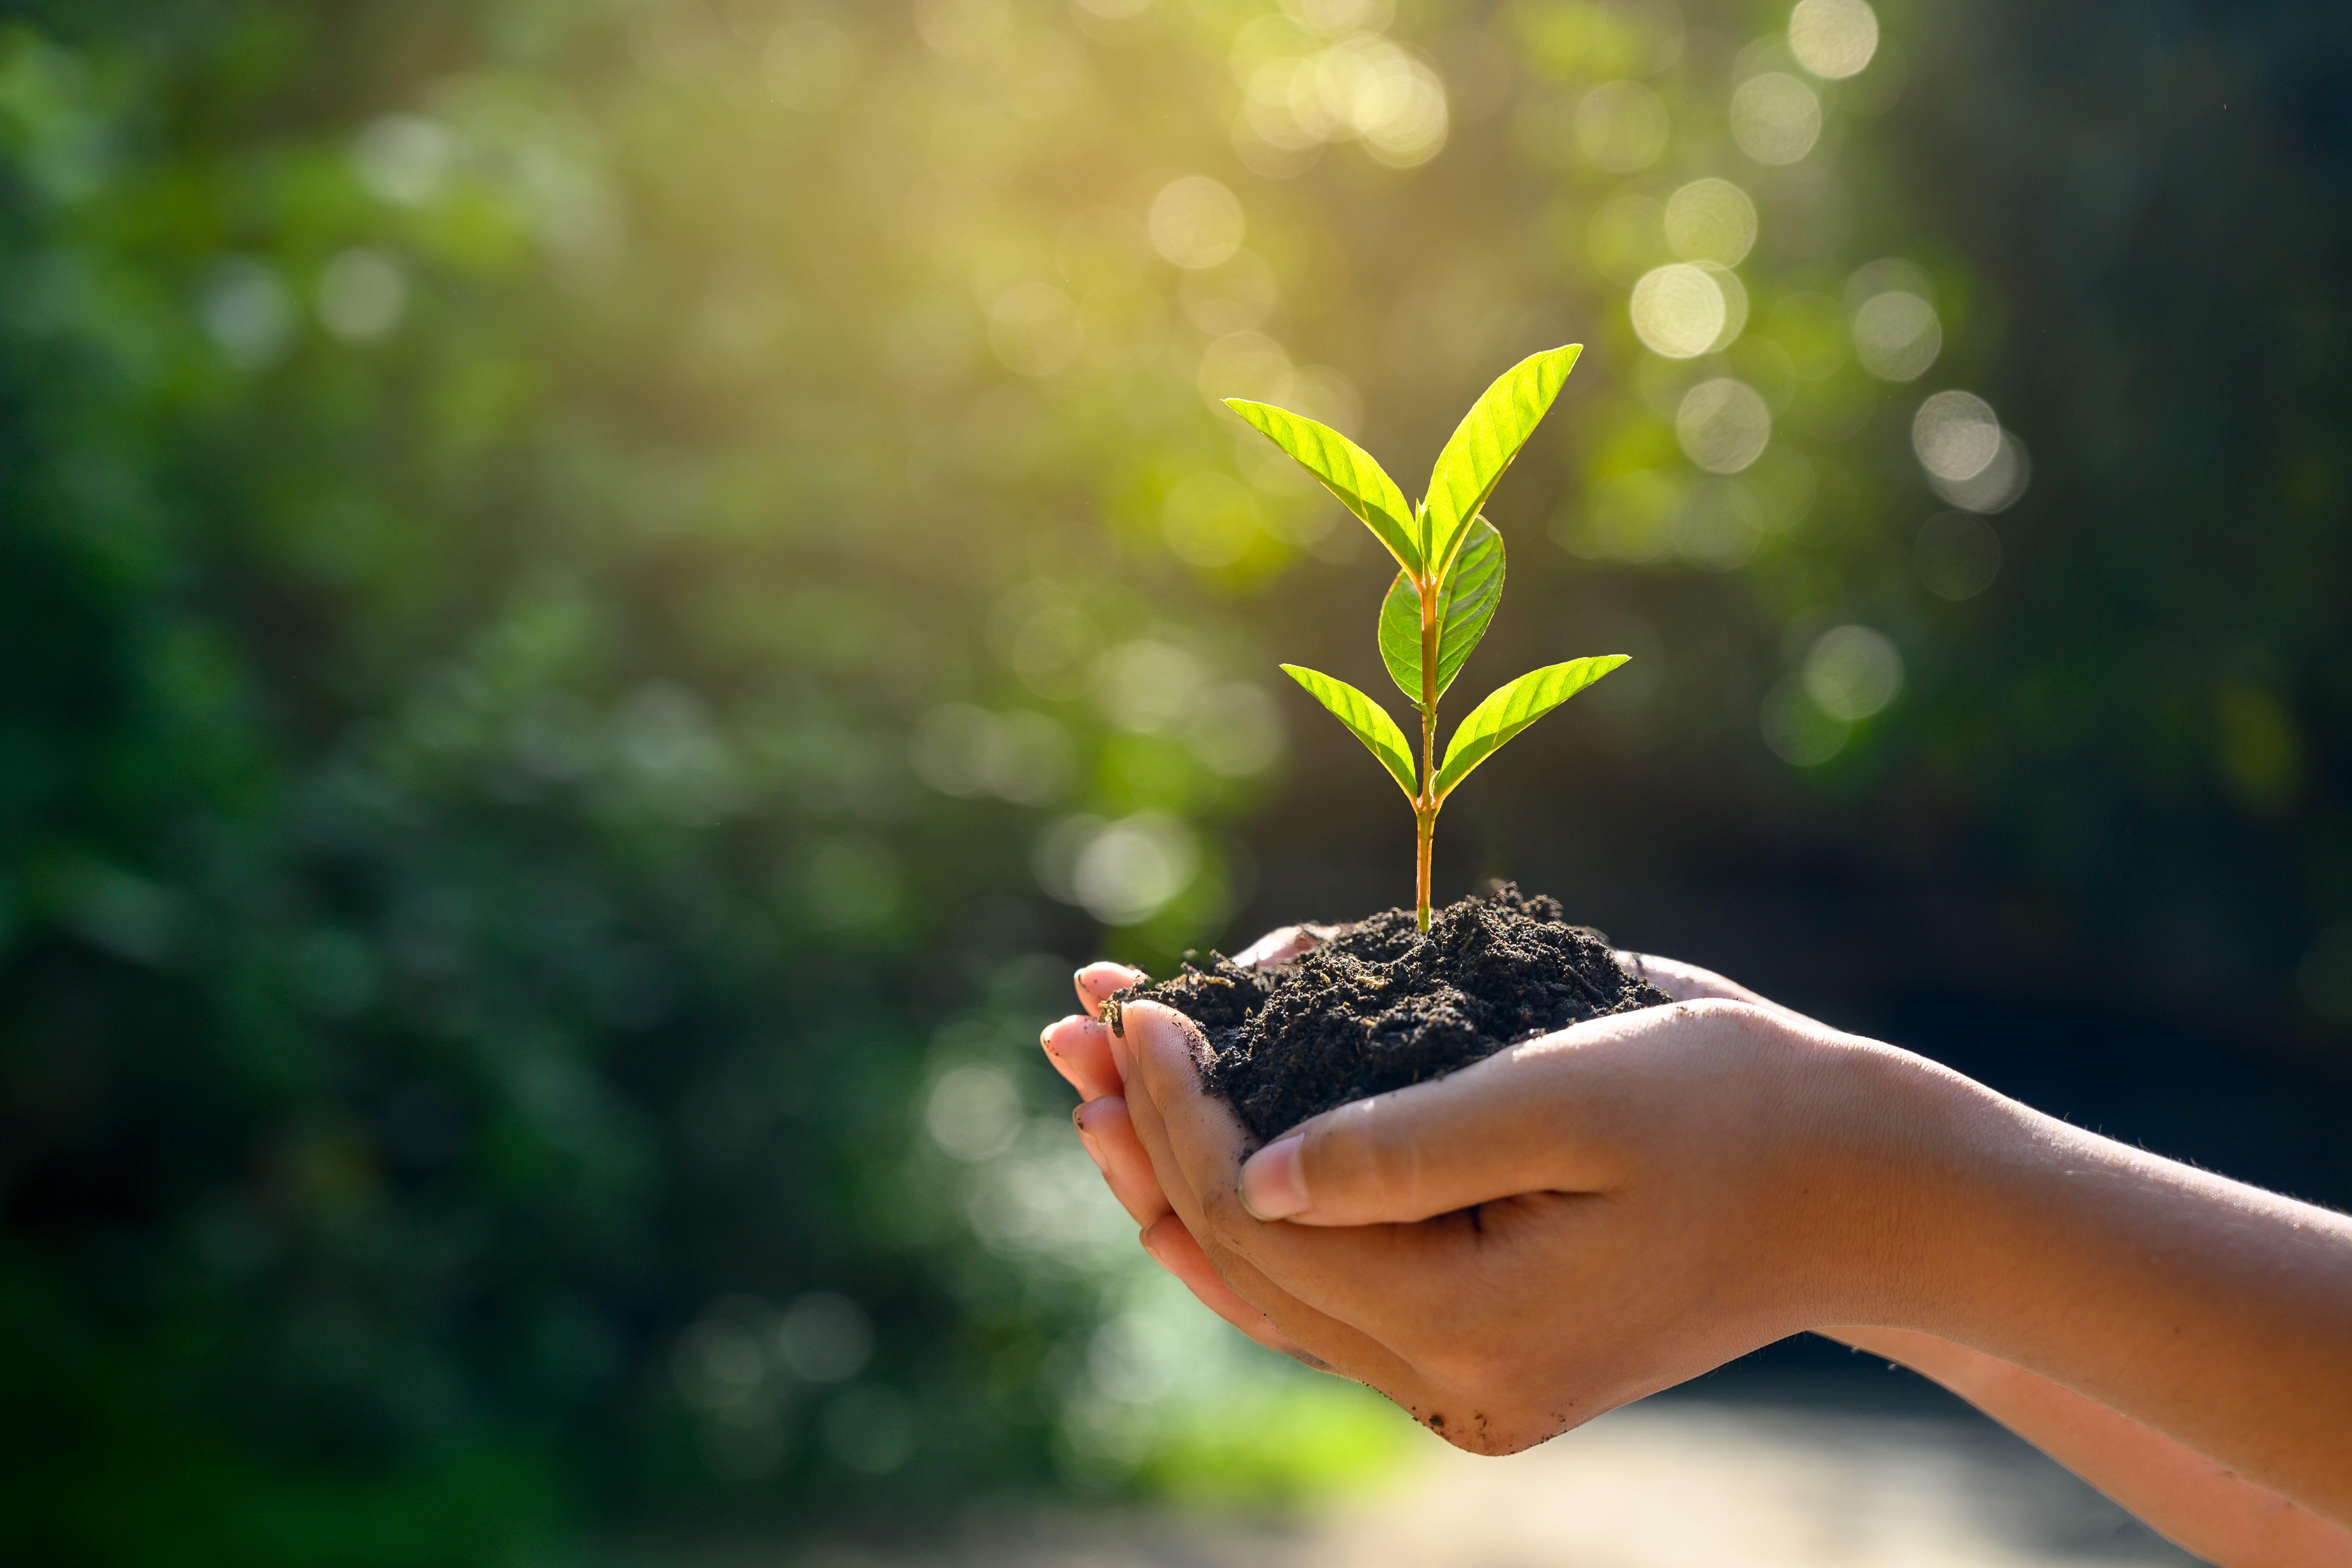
(1097, 982)
(1517, 1123)
(1360, 1277)
(1684, 982)
(1281, 945)
(1173, 1247)
(1332, 1343)
(1322, 1340)
(1689, 983)
(1108, 1133)
(1079, 1049)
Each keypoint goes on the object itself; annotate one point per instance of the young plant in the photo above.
(1449, 580)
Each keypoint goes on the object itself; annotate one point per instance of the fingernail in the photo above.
(1271, 1185)
(1144, 1236)
(1087, 1136)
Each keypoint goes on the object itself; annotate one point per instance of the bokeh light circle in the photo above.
(1246, 364)
(1679, 312)
(1851, 673)
(1723, 425)
(403, 158)
(361, 295)
(1795, 727)
(1956, 434)
(1735, 304)
(1130, 869)
(1711, 220)
(1391, 102)
(1996, 487)
(1833, 39)
(1775, 117)
(1897, 335)
(1196, 222)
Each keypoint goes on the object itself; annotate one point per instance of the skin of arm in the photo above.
(2186, 1497)
(2217, 1313)
(2194, 1502)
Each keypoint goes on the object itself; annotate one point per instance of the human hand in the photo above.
(1081, 1048)
(1563, 1227)
(1851, 1184)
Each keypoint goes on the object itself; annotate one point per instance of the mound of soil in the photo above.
(1379, 1006)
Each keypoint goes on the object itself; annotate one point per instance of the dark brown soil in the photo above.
(1379, 1006)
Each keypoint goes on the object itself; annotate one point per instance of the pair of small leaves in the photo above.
(1425, 539)
(1491, 724)
(1465, 603)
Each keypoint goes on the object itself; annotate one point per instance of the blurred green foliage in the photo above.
(598, 600)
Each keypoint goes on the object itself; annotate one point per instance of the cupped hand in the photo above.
(1081, 1048)
(1541, 1237)
(1642, 1168)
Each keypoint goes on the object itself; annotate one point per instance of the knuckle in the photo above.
(1361, 1158)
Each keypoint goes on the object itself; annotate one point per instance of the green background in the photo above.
(598, 601)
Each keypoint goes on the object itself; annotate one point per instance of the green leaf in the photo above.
(1465, 603)
(1346, 470)
(1511, 709)
(1483, 445)
(1365, 719)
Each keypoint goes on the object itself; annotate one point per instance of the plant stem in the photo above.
(1426, 826)
(1424, 810)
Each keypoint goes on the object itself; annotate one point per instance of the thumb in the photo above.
(1507, 1126)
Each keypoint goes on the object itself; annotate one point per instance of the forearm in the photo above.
(2214, 1313)
(2186, 1497)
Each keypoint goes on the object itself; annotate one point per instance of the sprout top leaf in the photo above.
(1483, 445)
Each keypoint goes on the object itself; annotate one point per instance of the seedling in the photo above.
(1449, 580)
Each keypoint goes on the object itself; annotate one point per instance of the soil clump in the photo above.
(1378, 1006)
